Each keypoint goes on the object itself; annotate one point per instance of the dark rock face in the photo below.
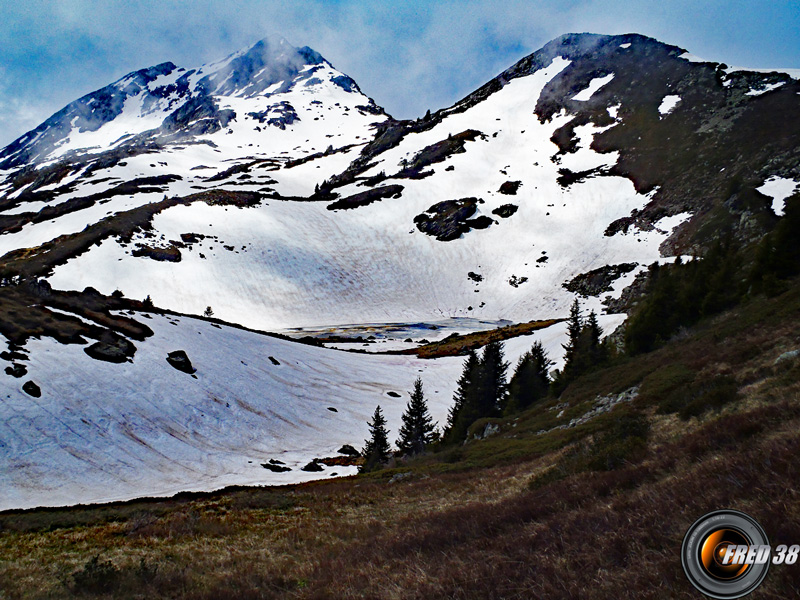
(449, 219)
(191, 238)
(438, 152)
(368, 197)
(114, 351)
(40, 288)
(506, 210)
(17, 370)
(510, 188)
(30, 388)
(346, 83)
(197, 116)
(278, 115)
(180, 361)
(168, 254)
(706, 156)
(268, 62)
(88, 113)
(594, 283)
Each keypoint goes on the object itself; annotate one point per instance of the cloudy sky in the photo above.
(408, 55)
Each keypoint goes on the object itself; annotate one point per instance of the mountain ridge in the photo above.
(305, 208)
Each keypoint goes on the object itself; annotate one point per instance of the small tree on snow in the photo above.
(208, 312)
(376, 450)
(417, 430)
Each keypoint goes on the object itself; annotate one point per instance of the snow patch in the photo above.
(626, 45)
(668, 104)
(594, 85)
(692, 58)
(763, 90)
(779, 189)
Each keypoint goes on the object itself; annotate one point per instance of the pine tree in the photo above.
(574, 328)
(493, 373)
(598, 352)
(481, 391)
(462, 413)
(530, 382)
(571, 350)
(376, 450)
(417, 430)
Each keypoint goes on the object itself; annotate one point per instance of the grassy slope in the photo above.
(507, 517)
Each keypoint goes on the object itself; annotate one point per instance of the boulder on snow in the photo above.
(30, 388)
(180, 361)
(114, 351)
(510, 188)
(275, 466)
(449, 219)
(16, 370)
(313, 467)
(348, 450)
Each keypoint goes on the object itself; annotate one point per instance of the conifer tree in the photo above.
(462, 413)
(598, 352)
(574, 328)
(530, 381)
(493, 372)
(417, 430)
(481, 391)
(376, 450)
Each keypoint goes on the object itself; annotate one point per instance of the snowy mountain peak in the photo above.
(259, 68)
(167, 100)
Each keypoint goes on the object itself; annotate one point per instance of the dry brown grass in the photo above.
(456, 345)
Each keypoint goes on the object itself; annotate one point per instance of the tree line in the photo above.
(681, 294)
(484, 390)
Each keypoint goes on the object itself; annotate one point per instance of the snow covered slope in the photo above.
(102, 432)
(267, 187)
(291, 259)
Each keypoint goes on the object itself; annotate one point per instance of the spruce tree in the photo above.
(481, 391)
(462, 413)
(571, 350)
(416, 432)
(530, 382)
(574, 329)
(493, 372)
(598, 352)
(376, 450)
